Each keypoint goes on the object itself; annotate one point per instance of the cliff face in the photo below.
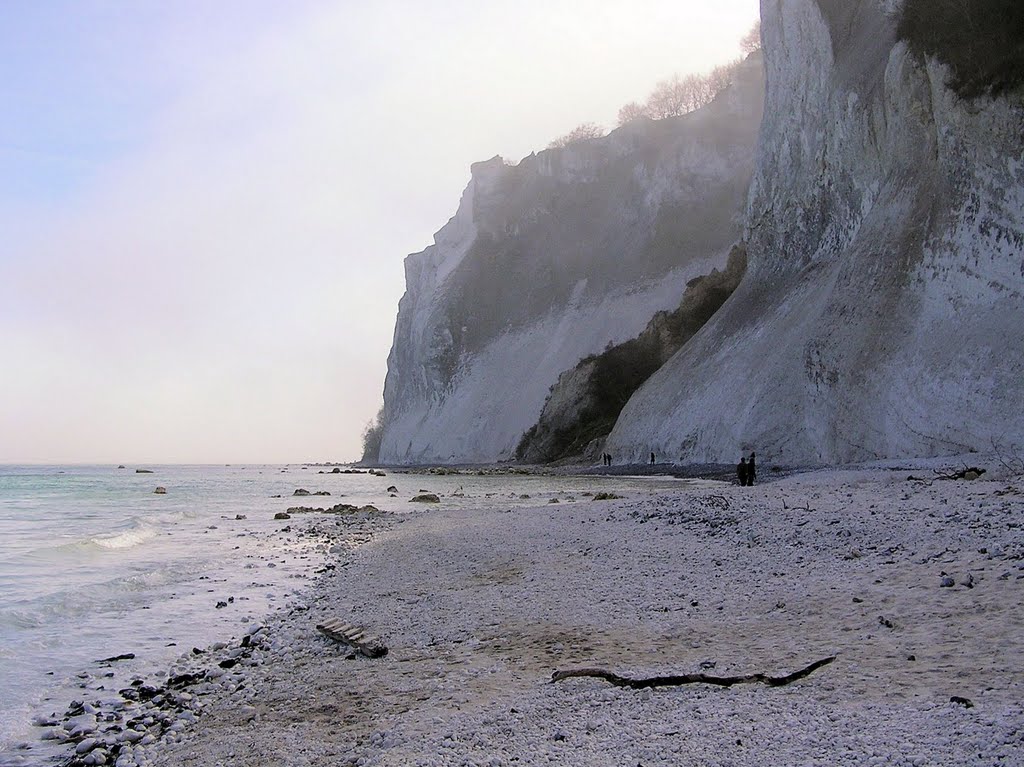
(554, 259)
(587, 400)
(880, 315)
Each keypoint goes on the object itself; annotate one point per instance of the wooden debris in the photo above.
(675, 681)
(354, 637)
(968, 473)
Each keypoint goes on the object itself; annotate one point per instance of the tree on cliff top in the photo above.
(580, 133)
(634, 110)
(751, 41)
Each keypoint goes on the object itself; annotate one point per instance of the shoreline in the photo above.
(105, 726)
(480, 607)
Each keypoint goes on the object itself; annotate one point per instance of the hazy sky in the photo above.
(205, 206)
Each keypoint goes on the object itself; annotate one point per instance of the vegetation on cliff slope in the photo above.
(587, 400)
(373, 432)
(982, 41)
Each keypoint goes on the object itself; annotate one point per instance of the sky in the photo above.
(205, 206)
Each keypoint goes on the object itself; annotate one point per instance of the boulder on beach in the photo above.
(301, 491)
(160, 491)
(392, 489)
(282, 515)
(143, 471)
(425, 498)
(121, 466)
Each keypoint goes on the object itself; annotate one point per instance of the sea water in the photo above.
(94, 563)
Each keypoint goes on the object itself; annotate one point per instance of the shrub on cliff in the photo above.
(617, 372)
(982, 41)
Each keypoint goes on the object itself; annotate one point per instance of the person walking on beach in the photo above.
(652, 459)
(741, 471)
(751, 469)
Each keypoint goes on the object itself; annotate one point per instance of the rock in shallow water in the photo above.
(425, 498)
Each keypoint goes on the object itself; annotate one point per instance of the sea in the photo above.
(95, 564)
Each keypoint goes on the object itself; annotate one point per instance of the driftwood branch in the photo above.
(968, 473)
(675, 681)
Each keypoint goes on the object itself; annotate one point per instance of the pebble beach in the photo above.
(915, 586)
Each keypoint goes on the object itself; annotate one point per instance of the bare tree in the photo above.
(671, 97)
(680, 95)
(721, 77)
(632, 111)
(582, 132)
(751, 41)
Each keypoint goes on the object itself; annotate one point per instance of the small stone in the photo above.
(425, 498)
(947, 582)
(160, 491)
(85, 746)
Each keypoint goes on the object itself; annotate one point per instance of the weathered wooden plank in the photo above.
(353, 636)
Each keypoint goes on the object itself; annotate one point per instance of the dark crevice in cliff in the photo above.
(586, 401)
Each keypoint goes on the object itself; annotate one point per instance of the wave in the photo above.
(133, 533)
(137, 535)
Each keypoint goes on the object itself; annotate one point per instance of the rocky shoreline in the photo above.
(916, 587)
(125, 727)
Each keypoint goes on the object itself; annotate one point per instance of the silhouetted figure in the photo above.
(751, 470)
(652, 459)
(741, 471)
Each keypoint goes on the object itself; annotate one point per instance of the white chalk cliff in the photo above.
(882, 313)
(553, 259)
